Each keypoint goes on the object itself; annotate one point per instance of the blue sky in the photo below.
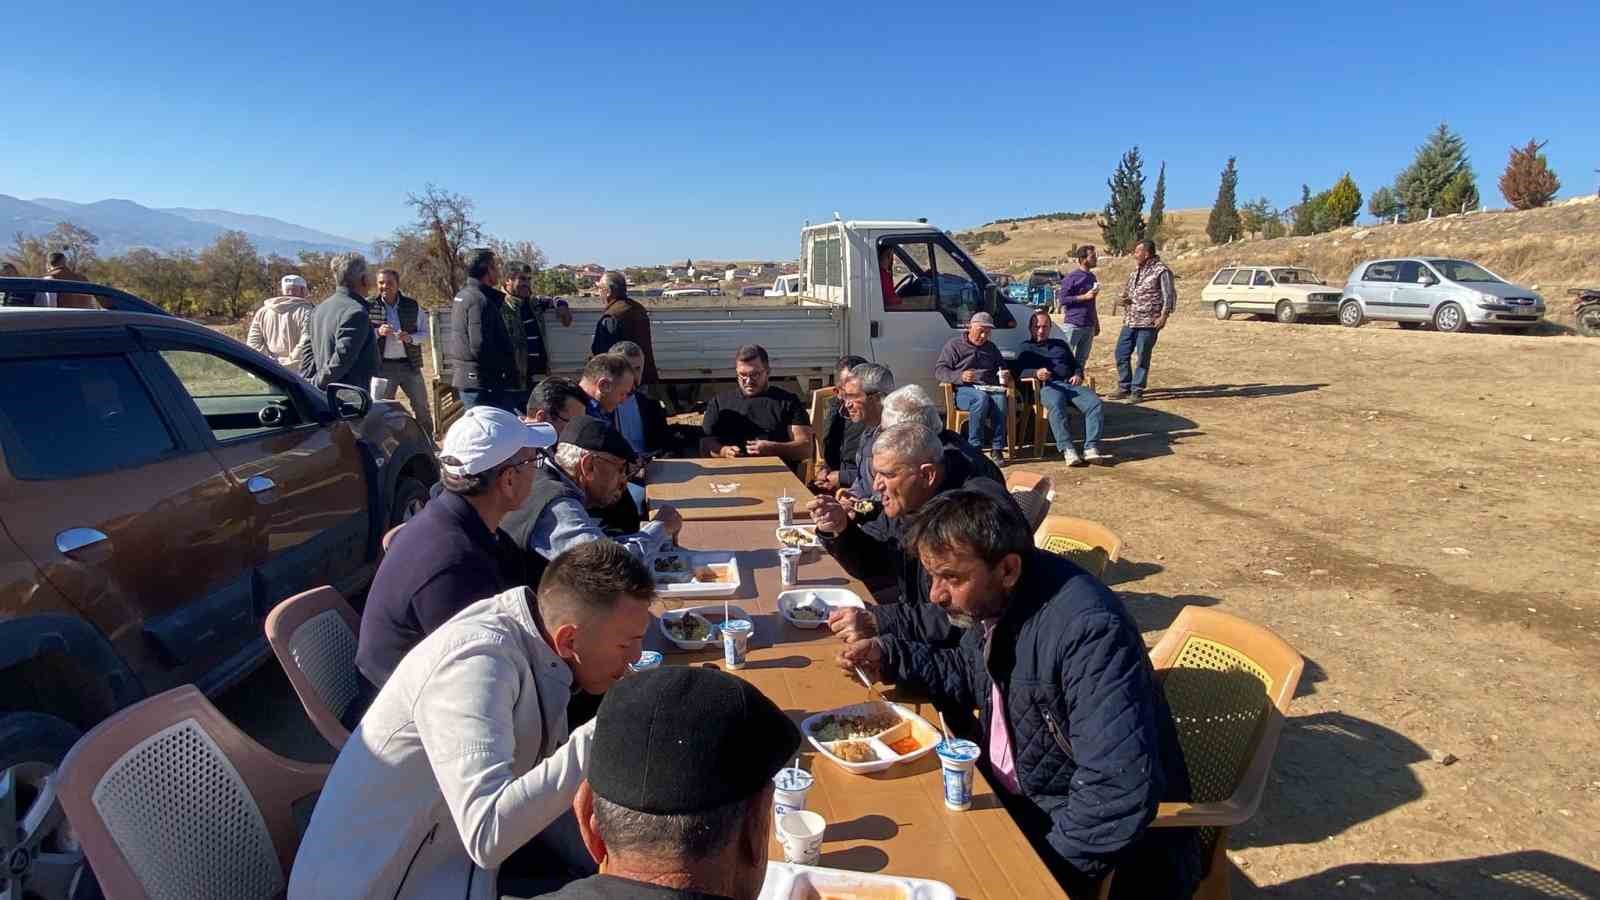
(642, 132)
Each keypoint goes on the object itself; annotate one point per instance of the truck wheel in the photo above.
(1350, 314)
(1222, 310)
(39, 853)
(409, 497)
(1286, 313)
(1449, 317)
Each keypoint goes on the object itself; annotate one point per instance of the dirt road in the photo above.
(1417, 514)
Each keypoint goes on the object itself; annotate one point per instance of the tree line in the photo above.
(1438, 181)
(231, 277)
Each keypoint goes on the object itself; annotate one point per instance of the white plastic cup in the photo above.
(958, 758)
(648, 659)
(789, 565)
(785, 512)
(791, 785)
(800, 832)
(378, 388)
(735, 641)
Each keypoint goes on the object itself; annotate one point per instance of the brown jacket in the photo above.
(626, 320)
(71, 301)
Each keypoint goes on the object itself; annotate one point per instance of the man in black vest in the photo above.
(402, 330)
(592, 464)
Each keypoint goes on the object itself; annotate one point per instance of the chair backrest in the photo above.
(1033, 492)
(314, 637)
(819, 414)
(170, 800)
(1229, 683)
(1089, 544)
(952, 416)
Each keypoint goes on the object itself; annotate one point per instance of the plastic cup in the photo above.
(800, 832)
(789, 565)
(785, 512)
(648, 659)
(958, 758)
(792, 786)
(735, 641)
(378, 388)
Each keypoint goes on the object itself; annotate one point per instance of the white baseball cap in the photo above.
(291, 281)
(485, 437)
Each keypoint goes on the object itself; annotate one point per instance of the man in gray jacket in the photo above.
(339, 345)
(464, 756)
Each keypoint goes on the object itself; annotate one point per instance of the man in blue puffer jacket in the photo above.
(1076, 735)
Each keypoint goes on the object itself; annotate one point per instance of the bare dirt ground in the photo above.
(1416, 513)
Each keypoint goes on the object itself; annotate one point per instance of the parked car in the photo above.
(753, 290)
(162, 487)
(1452, 294)
(785, 286)
(1289, 293)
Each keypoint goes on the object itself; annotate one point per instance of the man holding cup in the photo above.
(973, 364)
(402, 330)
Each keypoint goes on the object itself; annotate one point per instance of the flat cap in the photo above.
(680, 739)
(597, 436)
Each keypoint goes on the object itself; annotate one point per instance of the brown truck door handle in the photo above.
(74, 539)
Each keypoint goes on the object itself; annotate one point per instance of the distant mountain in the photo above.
(123, 225)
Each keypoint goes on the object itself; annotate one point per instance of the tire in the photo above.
(1449, 317)
(1222, 310)
(32, 746)
(1286, 313)
(1350, 315)
(1589, 321)
(409, 496)
(1410, 326)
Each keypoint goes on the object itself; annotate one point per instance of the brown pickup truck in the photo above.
(162, 487)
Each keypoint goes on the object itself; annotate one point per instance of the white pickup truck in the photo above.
(784, 286)
(841, 310)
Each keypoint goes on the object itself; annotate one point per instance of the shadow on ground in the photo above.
(1243, 391)
(1154, 612)
(1524, 875)
(1135, 432)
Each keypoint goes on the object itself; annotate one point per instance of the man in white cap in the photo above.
(452, 553)
(973, 363)
(276, 327)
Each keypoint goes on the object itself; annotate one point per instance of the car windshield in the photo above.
(1463, 271)
(1296, 276)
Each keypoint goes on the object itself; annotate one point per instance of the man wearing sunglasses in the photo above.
(590, 471)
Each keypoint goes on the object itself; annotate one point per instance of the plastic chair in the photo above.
(1042, 436)
(1033, 492)
(956, 419)
(1229, 683)
(314, 637)
(819, 413)
(1089, 544)
(170, 800)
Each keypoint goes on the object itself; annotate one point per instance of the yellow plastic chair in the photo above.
(1089, 544)
(956, 419)
(1229, 683)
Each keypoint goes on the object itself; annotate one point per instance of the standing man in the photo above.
(974, 365)
(1150, 299)
(531, 309)
(59, 268)
(757, 419)
(624, 319)
(339, 345)
(483, 365)
(276, 327)
(1079, 290)
(518, 287)
(1050, 362)
(402, 329)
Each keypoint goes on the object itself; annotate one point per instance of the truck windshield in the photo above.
(1462, 271)
(1296, 276)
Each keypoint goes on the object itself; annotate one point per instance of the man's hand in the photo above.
(829, 515)
(761, 448)
(866, 655)
(564, 316)
(1161, 321)
(671, 518)
(385, 331)
(826, 480)
(731, 451)
(968, 376)
(1076, 379)
(405, 337)
(852, 624)
(1042, 374)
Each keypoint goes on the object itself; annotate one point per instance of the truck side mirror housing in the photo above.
(348, 402)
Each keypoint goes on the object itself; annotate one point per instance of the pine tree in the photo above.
(1158, 208)
(1224, 224)
(1254, 215)
(1342, 203)
(1441, 163)
(1123, 224)
(1385, 204)
(1528, 181)
(1305, 214)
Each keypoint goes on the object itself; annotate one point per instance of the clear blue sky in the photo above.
(643, 132)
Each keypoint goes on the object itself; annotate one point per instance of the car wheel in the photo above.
(409, 497)
(1449, 317)
(1222, 310)
(1350, 314)
(1409, 326)
(1286, 313)
(39, 852)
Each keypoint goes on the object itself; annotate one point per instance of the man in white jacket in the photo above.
(276, 327)
(464, 756)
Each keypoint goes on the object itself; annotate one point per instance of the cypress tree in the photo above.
(1224, 224)
(1123, 222)
(1158, 207)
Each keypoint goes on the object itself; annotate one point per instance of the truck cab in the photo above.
(784, 286)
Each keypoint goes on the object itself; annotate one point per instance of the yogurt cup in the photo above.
(785, 512)
(648, 659)
(789, 565)
(958, 759)
(792, 785)
(800, 833)
(735, 641)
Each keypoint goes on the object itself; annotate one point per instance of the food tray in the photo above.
(836, 598)
(912, 725)
(711, 613)
(787, 881)
(725, 563)
(806, 536)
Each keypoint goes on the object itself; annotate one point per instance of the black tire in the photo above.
(1221, 309)
(32, 746)
(1450, 317)
(409, 496)
(1410, 326)
(1286, 313)
(1589, 321)
(1350, 315)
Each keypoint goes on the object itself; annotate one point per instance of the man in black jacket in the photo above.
(1076, 735)
(339, 345)
(483, 360)
(840, 435)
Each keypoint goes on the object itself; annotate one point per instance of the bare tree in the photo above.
(446, 220)
(27, 254)
(75, 241)
(519, 251)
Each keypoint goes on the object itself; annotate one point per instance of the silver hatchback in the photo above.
(1452, 294)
